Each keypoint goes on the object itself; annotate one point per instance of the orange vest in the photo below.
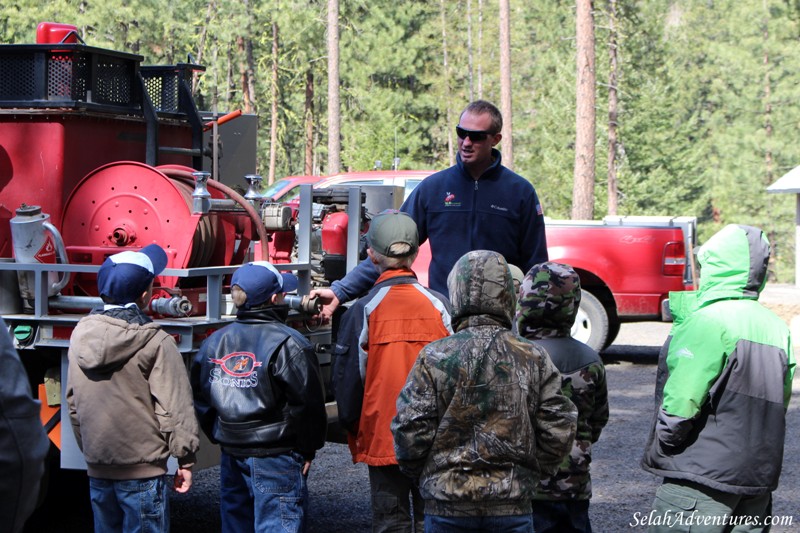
(400, 320)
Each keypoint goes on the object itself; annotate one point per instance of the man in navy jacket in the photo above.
(477, 204)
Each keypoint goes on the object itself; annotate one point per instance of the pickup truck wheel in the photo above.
(591, 323)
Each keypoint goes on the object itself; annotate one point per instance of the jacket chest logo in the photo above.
(449, 200)
(237, 364)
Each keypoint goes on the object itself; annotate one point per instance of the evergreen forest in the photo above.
(705, 114)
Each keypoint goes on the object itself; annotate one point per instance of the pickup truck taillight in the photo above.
(674, 258)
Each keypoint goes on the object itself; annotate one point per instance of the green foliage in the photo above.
(387, 105)
(741, 68)
(661, 128)
(544, 102)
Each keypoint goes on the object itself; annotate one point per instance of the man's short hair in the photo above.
(480, 107)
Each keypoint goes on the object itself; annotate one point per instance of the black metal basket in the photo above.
(68, 75)
(162, 84)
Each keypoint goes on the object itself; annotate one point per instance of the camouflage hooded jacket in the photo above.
(548, 303)
(481, 415)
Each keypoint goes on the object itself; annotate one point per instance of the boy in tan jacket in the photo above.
(129, 399)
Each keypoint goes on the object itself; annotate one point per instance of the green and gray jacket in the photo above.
(725, 375)
(549, 297)
(481, 415)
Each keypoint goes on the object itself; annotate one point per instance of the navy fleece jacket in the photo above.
(499, 212)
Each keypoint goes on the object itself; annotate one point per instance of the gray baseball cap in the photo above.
(391, 227)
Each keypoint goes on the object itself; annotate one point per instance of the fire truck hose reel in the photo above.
(126, 203)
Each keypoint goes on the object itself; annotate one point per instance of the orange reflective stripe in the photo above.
(47, 415)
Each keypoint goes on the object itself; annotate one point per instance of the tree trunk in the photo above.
(480, 49)
(469, 51)
(273, 130)
(768, 160)
(583, 186)
(505, 83)
(215, 95)
(613, 103)
(247, 74)
(247, 66)
(448, 110)
(334, 143)
(201, 44)
(230, 94)
(308, 167)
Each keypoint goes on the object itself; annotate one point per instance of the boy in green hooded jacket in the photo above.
(723, 385)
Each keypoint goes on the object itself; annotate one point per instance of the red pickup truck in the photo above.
(628, 265)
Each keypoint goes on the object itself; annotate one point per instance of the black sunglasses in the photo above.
(474, 135)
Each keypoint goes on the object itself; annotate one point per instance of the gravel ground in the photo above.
(339, 490)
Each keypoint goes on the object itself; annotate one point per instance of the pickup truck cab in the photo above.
(407, 179)
(628, 265)
(288, 188)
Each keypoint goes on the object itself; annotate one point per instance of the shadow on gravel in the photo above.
(638, 355)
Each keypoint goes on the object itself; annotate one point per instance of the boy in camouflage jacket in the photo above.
(481, 416)
(548, 303)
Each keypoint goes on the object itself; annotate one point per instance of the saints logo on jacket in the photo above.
(236, 369)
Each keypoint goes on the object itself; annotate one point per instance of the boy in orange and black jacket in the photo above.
(379, 339)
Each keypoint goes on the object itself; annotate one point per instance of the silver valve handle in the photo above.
(201, 198)
(254, 187)
(304, 304)
(201, 184)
